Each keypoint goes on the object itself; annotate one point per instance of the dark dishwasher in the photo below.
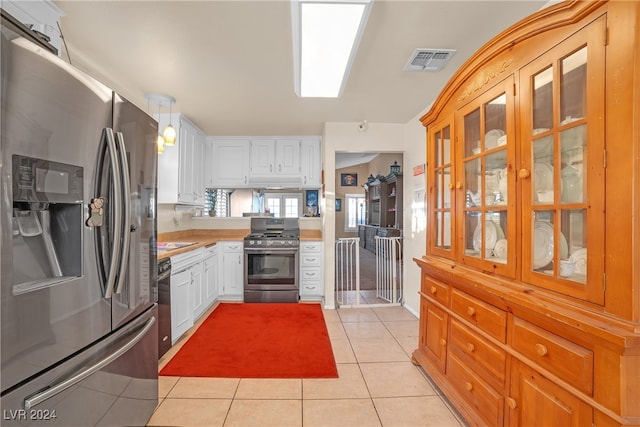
(164, 306)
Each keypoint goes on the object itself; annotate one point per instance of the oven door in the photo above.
(271, 269)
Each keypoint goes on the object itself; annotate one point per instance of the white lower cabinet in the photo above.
(210, 275)
(181, 314)
(186, 291)
(311, 270)
(232, 277)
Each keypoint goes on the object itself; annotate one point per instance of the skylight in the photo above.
(326, 35)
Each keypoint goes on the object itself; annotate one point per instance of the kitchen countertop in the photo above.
(205, 238)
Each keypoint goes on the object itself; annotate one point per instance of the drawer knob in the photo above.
(468, 386)
(511, 403)
(541, 349)
(471, 311)
(524, 173)
(434, 290)
(458, 185)
(443, 342)
(470, 347)
(451, 186)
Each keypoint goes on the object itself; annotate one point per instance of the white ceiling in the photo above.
(229, 63)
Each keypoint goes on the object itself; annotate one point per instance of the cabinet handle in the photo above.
(434, 290)
(458, 185)
(524, 173)
(280, 168)
(511, 403)
(470, 347)
(451, 186)
(468, 386)
(443, 342)
(471, 311)
(270, 168)
(541, 349)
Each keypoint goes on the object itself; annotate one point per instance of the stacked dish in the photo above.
(543, 245)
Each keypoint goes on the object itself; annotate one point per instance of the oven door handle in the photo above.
(271, 251)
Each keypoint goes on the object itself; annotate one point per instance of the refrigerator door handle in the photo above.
(50, 391)
(116, 250)
(126, 211)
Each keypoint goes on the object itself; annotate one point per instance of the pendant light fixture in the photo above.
(168, 135)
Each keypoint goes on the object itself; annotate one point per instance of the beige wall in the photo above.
(362, 171)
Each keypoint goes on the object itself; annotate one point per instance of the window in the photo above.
(284, 205)
(216, 200)
(354, 212)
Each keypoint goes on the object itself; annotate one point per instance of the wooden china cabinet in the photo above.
(530, 286)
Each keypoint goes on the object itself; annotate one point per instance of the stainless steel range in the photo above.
(271, 260)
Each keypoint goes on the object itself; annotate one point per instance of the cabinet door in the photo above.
(263, 157)
(232, 269)
(310, 163)
(229, 163)
(181, 312)
(441, 190)
(537, 401)
(210, 275)
(563, 166)
(433, 333)
(287, 158)
(198, 163)
(197, 300)
(185, 144)
(485, 208)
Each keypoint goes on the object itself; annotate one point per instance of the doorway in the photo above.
(367, 273)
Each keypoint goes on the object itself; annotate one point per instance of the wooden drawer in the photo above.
(435, 289)
(567, 360)
(485, 358)
(480, 396)
(490, 319)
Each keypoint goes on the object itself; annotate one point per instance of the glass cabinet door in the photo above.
(563, 156)
(441, 189)
(486, 194)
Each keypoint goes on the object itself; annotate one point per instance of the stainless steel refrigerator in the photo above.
(78, 284)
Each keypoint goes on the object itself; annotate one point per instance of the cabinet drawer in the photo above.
(487, 317)
(484, 357)
(480, 396)
(310, 247)
(435, 289)
(310, 260)
(311, 288)
(569, 361)
(232, 246)
(310, 274)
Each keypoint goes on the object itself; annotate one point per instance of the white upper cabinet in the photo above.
(180, 167)
(243, 162)
(227, 163)
(275, 161)
(310, 163)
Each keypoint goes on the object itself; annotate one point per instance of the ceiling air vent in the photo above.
(428, 59)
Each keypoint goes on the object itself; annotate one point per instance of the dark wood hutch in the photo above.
(383, 209)
(530, 286)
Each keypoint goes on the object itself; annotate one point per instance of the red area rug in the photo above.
(258, 341)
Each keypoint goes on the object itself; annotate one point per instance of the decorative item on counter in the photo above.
(371, 179)
(395, 168)
(311, 203)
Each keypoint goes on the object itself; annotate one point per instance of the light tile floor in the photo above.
(377, 385)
